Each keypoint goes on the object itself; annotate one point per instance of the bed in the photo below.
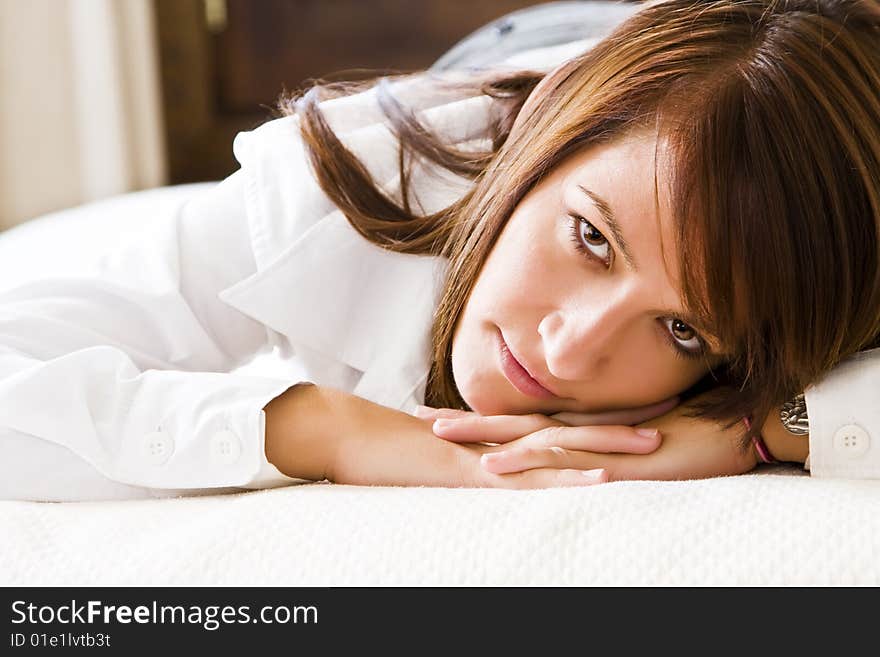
(773, 526)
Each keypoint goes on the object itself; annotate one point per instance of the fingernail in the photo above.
(596, 475)
(441, 424)
(647, 433)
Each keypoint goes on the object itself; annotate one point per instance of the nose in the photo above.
(580, 338)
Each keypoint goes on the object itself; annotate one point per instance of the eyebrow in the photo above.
(608, 217)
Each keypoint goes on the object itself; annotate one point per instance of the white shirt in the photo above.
(119, 385)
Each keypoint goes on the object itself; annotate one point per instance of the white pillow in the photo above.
(70, 241)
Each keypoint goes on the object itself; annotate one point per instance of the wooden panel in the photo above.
(274, 43)
(198, 133)
(222, 78)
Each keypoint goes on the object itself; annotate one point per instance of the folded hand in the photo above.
(653, 442)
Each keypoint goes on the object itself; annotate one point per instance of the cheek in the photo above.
(517, 270)
(646, 375)
(669, 376)
(473, 368)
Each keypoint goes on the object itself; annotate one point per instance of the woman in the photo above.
(687, 212)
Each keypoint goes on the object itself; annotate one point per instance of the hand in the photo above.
(508, 427)
(691, 448)
(368, 444)
(610, 431)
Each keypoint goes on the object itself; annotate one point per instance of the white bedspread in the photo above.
(773, 528)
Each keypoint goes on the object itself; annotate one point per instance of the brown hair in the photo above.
(771, 110)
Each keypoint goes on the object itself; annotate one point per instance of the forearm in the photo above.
(783, 445)
(316, 432)
(299, 436)
(385, 446)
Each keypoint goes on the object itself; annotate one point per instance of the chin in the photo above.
(480, 402)
(481, 398)
(486, 401)
(491, 409)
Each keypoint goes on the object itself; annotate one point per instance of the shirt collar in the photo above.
(350, 299)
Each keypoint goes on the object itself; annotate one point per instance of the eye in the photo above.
(589, 240)
(684, 339)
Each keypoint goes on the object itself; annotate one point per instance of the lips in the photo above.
(518, 375)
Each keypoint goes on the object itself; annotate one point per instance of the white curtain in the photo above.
(80, 110)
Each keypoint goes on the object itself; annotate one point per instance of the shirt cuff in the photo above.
(845, 419)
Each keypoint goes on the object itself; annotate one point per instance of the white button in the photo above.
(157, 447)
(851, 440)
(225, 447)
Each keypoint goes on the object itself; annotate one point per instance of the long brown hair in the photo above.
(771, 110)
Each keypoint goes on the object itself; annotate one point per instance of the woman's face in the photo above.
(598, 329)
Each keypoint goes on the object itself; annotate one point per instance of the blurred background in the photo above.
(103, 97)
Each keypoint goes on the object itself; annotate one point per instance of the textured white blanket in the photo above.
(772, 528)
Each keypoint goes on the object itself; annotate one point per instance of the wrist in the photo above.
(784, 445)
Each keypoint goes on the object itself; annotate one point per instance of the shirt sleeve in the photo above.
(844, 419)
(130, 368)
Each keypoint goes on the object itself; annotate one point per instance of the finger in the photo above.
(628, 416)
(600, 439)
(529, 458)
(427, 412)
(490, 428)
(549, 478)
